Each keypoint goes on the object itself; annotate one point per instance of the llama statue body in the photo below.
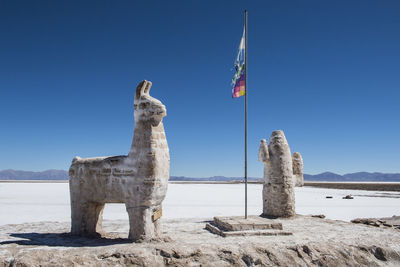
(139, 180)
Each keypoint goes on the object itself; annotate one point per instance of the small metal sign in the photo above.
(157, 214)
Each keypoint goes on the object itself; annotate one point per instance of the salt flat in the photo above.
(34, 202)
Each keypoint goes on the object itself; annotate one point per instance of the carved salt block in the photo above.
(298, 169)
(278, 188)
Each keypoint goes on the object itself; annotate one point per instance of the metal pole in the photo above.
(245, 112)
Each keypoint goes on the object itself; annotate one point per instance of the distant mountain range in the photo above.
(325, 176)
(354, 177)
(28, 175)
(213, 179)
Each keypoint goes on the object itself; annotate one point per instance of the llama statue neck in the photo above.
(146, 139)
(149, 150)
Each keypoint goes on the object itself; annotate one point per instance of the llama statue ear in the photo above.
(147, 88)
(141, 88)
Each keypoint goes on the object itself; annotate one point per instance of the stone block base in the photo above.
(239, 226)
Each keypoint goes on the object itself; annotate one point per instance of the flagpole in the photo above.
(245, 113)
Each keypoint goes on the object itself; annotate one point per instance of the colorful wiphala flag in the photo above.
(238, 80)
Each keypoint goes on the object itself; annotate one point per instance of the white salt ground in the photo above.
(34, 202)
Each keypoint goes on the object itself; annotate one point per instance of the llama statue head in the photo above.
(147, 108)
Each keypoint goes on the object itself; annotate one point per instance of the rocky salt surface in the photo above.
(185, 242)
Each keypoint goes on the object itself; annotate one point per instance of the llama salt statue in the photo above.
(139, 180)
(278, 189)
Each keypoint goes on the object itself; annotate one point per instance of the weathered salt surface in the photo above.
(185, 242)
(34, 202)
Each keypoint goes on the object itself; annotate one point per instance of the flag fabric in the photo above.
(238, 81)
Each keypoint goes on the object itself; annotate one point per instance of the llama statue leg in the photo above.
(87, 218)
(77, 214)
(93, 219)
(142, 225)
(77, 208)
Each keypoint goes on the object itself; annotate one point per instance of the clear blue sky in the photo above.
(325, 72)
